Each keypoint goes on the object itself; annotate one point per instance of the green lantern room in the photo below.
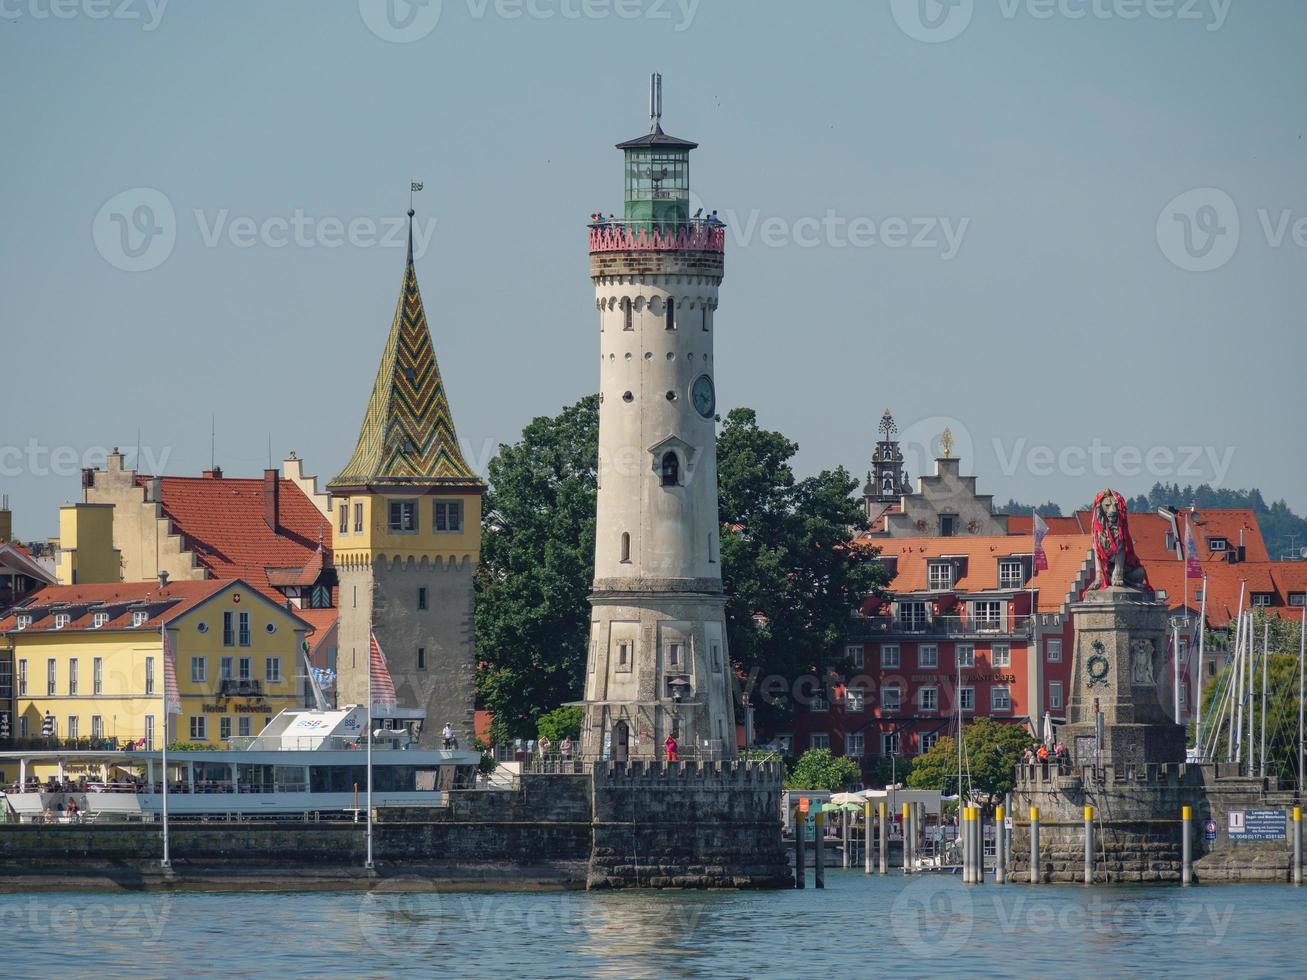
(657, 171)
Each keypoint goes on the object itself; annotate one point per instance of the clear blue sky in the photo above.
(1063, 314)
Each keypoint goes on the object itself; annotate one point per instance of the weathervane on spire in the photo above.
(946, 442)
(887, 425)
(413, 188)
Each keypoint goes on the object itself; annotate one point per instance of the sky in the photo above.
(1073, 232)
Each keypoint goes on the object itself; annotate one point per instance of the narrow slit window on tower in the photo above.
(628, 319)
(671, 469)
(671, 313)
(626, 546)
(703, 317)
(344, 515)
(422, 597)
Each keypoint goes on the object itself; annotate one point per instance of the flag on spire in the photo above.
(1041, 559)
(172, 699)
(382, 687)
(1193, 568)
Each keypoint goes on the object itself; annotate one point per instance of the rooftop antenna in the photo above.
(269, 450)
(655, 103)
(213, 439)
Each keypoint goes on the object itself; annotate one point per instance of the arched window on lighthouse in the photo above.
(671, 469)
(671, 313)
(628, 320)
(626, 546)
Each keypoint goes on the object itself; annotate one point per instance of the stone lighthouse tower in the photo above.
(658, 663)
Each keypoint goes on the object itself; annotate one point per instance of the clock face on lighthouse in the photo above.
(703, 396)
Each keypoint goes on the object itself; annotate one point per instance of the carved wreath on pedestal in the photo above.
(1097, 665)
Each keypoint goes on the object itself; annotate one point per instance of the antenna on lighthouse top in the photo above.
(655, 103)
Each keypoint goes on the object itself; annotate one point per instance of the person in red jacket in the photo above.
(670, 748)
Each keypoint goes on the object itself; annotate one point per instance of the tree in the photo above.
(791, 577)
(537, 561)
(561, 723)
(818, 769)
(1047, 509)
(991, 751)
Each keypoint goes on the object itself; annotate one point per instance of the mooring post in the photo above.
(866, 843)
(1089, 845)
(980, 845)
(907, 838)
(1186, 846)
(848, 841)
(818, 857)
(800, 859)
(1000, 846)
(1034, 846)
(1297, 845)
(967, 844)
(882, 821)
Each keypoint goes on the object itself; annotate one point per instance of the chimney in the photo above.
(6, 519)
(163, 579)
(213, 474)
(271, 498)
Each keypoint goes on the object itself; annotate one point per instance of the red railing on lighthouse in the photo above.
(612, 235)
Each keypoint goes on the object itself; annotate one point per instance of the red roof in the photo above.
(222, 521)
(1278, 579)
(1149, 531)
(118, 599)
(978, 559)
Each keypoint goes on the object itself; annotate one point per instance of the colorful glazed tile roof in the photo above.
(408, 437)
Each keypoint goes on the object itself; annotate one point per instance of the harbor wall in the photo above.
(1137, 825)
(661, 825)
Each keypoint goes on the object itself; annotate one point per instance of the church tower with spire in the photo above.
(407, 516)
(658, 663)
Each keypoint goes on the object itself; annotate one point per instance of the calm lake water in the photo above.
(856, 927)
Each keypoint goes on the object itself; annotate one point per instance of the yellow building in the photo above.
(88, 662)
(86, 551)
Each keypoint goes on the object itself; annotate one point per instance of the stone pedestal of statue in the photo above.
(1120, 669)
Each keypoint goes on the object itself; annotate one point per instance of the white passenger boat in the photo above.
(305, 762)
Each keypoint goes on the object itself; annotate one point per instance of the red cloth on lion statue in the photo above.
(1115, 561)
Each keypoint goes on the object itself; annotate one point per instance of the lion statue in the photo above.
(1115, 561)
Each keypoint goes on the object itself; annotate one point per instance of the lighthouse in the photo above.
(658, 663)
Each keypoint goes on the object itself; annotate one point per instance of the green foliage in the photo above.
(187, 747)
(564, 722)
(992, 751)
(790, 576)
(1047, 509)
(818, 769)
(537, 560)
(886, 772)
(1281, 698)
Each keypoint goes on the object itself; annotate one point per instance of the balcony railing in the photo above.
(865, 627)
(240, 688)
(697, 235)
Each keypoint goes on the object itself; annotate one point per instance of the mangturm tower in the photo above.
(658, 663)
(407, 514)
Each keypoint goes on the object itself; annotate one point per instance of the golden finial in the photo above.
(946, 442)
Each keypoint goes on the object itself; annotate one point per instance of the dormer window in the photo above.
(1011, 573)
(1298, 599)
(139, 616)
(941, 575)
(1262, 599)
(23, 621)
(99, 619)
(61, 620)
(1217, 544)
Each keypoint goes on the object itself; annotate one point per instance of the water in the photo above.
(857, 927)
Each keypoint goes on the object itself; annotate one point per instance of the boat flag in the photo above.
(1193, 568)
(172, 699)
(382, 687)
(1041, 559)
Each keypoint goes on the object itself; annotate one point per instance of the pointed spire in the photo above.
(407, 438)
